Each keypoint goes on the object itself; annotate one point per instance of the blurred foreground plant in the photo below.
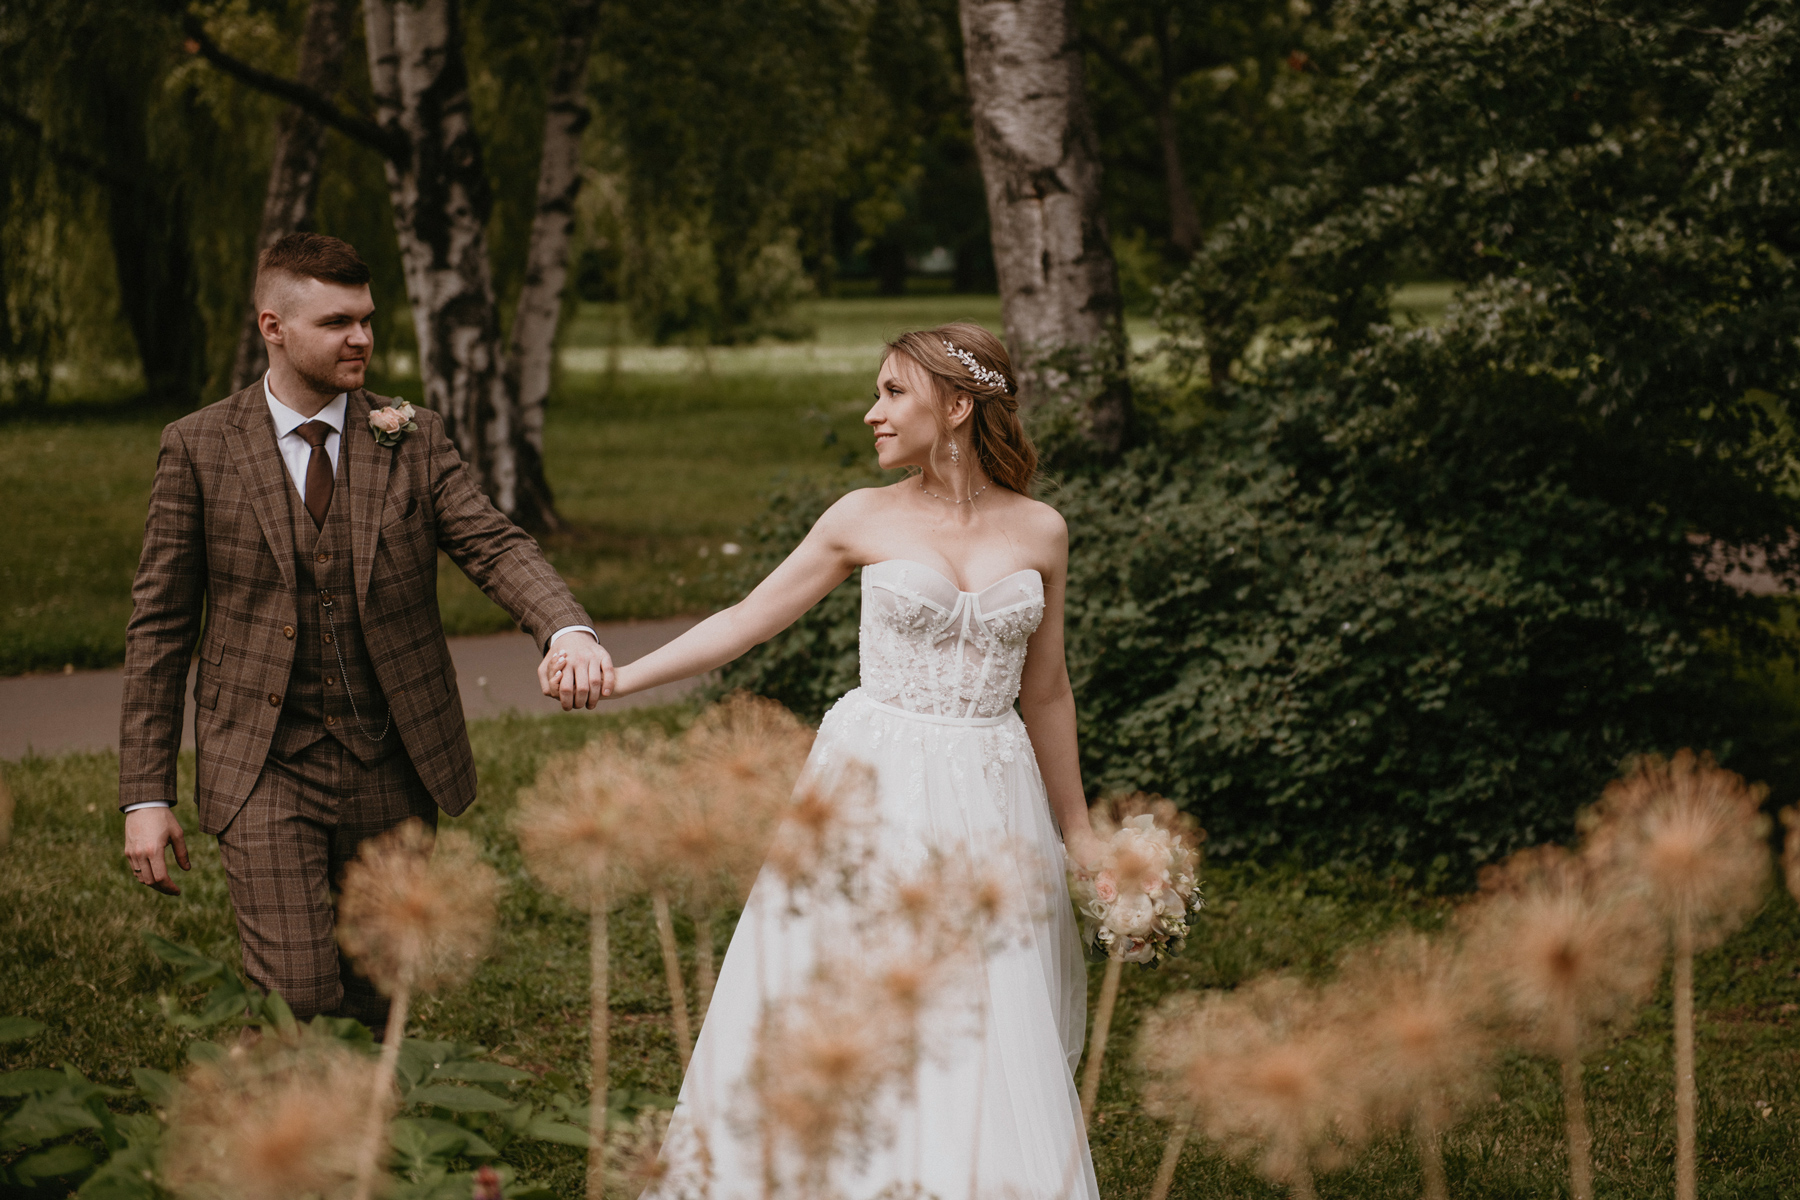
(1688, 838)
(412, 920)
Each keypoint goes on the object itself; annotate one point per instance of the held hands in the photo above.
(147, 832)
(577, 671)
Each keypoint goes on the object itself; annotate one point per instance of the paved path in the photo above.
(48, 714)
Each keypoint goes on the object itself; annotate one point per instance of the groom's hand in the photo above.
(577, 671)
(147, 832)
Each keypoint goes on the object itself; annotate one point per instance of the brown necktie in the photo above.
(319, 480)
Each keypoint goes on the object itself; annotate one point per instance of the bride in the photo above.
(963, 578)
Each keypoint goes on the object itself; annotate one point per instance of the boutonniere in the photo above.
(391, 422)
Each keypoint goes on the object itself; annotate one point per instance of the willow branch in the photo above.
(315, 104)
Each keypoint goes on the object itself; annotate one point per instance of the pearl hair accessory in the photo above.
(981, 373)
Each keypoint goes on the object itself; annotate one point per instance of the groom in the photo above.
(327, 709)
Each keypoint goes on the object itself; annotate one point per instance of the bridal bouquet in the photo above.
(1135, 904)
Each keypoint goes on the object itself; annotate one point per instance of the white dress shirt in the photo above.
(296, 452)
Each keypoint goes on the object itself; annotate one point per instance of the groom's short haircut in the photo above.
(307, 256)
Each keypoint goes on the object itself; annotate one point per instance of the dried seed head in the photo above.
(1790, 855)
(276, 1123)
(1260, 1070)
(416, 912)
(820, 1070)
(823, 839)
(1690, 835)
(574, 824)
(1562, 954)
(1419, 1020)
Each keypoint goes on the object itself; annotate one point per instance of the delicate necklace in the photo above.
(948, 500)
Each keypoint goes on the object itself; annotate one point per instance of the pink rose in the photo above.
(387, 420)
(1106, 888)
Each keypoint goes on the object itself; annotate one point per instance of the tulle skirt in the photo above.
(990, 1109)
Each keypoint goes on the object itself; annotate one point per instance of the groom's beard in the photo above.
(346, 375)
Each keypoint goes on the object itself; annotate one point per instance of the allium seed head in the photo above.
(1690, 836)
(416, 911)
(274, 1123)
(1563, 953)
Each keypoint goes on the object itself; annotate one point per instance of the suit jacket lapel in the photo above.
(250, 437)
(368, 464)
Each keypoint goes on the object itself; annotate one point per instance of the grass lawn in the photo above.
(71, 956)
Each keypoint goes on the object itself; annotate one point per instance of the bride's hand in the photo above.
(1083, 848)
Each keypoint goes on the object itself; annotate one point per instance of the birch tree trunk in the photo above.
(294, 175)
(1059, 287)
(441, 204)
(531, 362)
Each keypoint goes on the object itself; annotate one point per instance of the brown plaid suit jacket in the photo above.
(219, 531)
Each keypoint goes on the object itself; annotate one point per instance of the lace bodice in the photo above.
(928, 647)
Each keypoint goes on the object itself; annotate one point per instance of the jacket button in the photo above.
(274, 700)
(287, 631)
(328, 639)
(331, 721)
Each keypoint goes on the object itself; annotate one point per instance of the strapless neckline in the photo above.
(913, 562)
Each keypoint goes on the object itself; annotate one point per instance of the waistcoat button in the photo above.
(323, 557)
(330, 720)
(328, 639)
(331, 681)
(287, 631)
(274, 700)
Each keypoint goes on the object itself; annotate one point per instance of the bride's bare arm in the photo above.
(1047, 704)
(819, 563)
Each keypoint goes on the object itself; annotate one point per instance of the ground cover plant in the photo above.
(75, 960)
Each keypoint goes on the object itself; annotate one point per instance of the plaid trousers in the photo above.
(285, 852)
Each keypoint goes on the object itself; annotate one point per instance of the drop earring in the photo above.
(955, 456)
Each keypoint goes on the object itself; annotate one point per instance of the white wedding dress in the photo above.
(993, 1110)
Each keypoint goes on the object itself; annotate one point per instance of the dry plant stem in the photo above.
(370, 1159)
(1431, 1157)
(1103, 1014)
(1300, 1187)
(671, 955)
(1581, 1171)
(1165, 1174)
(1686, 1176)
(598, 1032)
(703, 964)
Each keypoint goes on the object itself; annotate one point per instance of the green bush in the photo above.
(1414, 594)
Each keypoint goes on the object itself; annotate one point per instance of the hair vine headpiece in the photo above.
(981, 373)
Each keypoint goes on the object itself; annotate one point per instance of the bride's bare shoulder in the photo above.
(1040, 522)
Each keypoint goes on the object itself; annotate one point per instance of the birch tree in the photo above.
(442, 203)
(1059, 287)
(294, 175)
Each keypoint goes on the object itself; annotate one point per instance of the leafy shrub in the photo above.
(1413, 594)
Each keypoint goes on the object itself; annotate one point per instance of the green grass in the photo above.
(71, 955)
(651, 464)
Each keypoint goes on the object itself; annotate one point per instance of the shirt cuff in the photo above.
(131, 808)
(572, 629)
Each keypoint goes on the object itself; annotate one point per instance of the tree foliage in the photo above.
(1414, 593)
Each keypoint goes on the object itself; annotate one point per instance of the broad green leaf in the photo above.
(53, 1163)
(478, 1071)
(179, 955)
(41, 1119)
(17, 1029)
(278, 1012)
(26, 1083)
(158, 1087)
(348, 1030)
(458, 1099)
(549, 1129)
(419, 1129)
(206, 1052)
